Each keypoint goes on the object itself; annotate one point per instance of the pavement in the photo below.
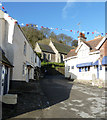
(66, 99)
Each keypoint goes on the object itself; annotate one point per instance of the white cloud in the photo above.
(66, 8)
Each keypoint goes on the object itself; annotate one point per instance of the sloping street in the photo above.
(68, 100)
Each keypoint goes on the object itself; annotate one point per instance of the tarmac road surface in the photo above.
(68, 100)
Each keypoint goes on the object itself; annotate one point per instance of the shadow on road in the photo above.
(29, 99)
(56, 88)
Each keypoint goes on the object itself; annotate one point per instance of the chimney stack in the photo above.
(81, 37)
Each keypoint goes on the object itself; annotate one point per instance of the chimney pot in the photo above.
(81, 37)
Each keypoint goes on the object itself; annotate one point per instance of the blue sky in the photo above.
(62, 15)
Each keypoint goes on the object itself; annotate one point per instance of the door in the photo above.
(2, 79)
(98, 72)
(5, 89)
(27, 74)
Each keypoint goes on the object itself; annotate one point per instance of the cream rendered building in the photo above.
(17, 50)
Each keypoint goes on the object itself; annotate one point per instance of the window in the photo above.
(23, 70)
(100, 67)
(39, 63)
(79, 69)
(24, 48)
(88, 68)
(61, 58)
(48, 56)
(44, 56)
(84, 69)
(68, 68)
(72, 67)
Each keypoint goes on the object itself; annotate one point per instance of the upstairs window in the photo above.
(48, 56)
(24, 51)
(23, 70)
(72, 67)
(68, 68)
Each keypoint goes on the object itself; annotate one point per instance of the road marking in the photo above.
(79, 101)
(74, 109)
(63, 108)
(85, 115)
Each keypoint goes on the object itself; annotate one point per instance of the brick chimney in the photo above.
(81, 37)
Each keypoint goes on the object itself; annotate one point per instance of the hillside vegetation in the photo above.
(44, 35)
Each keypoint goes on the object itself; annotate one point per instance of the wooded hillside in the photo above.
(34, 35)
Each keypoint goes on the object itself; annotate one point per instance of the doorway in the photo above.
(5, 89)
(97, 72)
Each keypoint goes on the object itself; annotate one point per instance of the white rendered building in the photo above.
(89, 60)
(18, 51)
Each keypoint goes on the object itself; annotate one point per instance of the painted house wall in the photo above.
(57, 54)
(69, 72)
(46, 54)
(37, 48)
(14, 51)
(83, 56)
(38, 62)
(52, 56)
(103, 52)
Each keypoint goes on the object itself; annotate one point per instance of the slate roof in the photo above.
(92, 44)
(46, 48)
(62, 48)
(46, 41)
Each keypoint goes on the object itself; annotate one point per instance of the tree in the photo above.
(75, 43)
(53, 35)
(64, 38)
(32, 34)
(46, 32)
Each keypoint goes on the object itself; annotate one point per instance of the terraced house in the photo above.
(52, 51)
(89, 60)
(18, 60)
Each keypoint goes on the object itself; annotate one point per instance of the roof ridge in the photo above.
(61, 43)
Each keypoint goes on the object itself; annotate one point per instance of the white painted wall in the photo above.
(57, 55)
(37, 48)
(84, 56)
(14, 51)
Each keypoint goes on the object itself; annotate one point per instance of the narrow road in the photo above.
(72, 101)
(68, 100)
